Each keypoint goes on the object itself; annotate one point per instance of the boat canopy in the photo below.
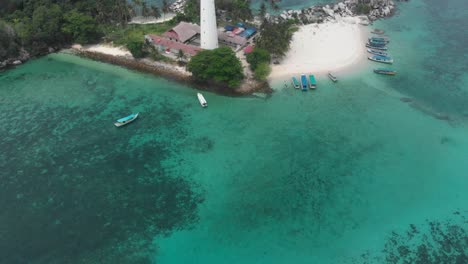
(229, 28)
(126, 118)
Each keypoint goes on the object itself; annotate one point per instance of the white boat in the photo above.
(125, 120)
(202, 100)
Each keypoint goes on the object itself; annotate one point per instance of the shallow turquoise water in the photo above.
(346, 174)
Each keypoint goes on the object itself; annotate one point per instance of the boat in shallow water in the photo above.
(312, 82)
(332, 77)
(376, 47)
(305, 86)
(377, 52)
(385, 71)
(295, 83)
(379, 40)
(382, 59)
(125, 120)
(202, 100)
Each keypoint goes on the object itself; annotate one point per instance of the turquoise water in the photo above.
(346, 174)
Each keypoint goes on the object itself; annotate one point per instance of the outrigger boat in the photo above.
(382, 59)
(304, 82)
(377, 43)
(295, 83)
(385, 71)
(312, 82)
(376, 47)
(376, 52)
(332, 77)
(202, 100)
(125, 120)
(379, 40)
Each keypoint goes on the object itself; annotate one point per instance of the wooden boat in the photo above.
(295, 83)
(382, 59)
(125, 120)
(378, 32)
(377, 43)
(332, 77)
(305, 87)
(379, 40)
(312, 82)
(202, 100)
(376, 52)
(376, 47)
(385, 71)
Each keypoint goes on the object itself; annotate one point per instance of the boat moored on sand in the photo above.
(332, 77)
(312, 82)
(382, 59)
(125, 120)
(376, 47)
(295, 83)
(377, 52)
(202, 100)
(385, 71)
(304, 82)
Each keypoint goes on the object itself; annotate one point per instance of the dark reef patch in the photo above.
(75, 189)
(435, 242)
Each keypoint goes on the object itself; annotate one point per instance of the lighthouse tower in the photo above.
(209, 32)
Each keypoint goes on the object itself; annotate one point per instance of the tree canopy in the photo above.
(258, 56)
(275, 37)
(220, 64)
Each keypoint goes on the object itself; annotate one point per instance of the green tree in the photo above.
(47, 23)
(81, 27)
(263, 10)
(275, 38)
(136, 47)
(262, 71)
(258, 56)
(165, 7)
(155, 11)
(8, 42)
(220, 64)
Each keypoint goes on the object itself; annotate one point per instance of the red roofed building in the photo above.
(167, 45)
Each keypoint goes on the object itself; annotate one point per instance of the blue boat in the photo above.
(125, 120)
(312, 82)
(382, 59)
(377, 44)
(295, 83)
(376, 52)
(376, 47)
(305, 87)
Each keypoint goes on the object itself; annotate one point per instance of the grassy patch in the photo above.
(121, 35)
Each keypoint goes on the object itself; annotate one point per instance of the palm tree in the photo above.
(145, 11)
(165, 7)
(155, 11)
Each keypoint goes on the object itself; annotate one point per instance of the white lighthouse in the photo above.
(209, 31)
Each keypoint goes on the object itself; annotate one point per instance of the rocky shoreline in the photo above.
(375, 9)
(166, 70)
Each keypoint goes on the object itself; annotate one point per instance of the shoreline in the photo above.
(172, 72)
(318, 49)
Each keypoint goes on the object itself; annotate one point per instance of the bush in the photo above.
(262, 71)
(136, 47)
(363, 9)
(258, 56)
(220, 64)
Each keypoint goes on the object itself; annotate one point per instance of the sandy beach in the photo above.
(105, 49)
(321, 48)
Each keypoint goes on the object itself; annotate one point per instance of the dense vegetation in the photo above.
(259, 60)
(220, 65)
(37, 25)
(275, 37)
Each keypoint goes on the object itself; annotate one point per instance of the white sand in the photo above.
(108, 49)
(322, 48)
(152, 20)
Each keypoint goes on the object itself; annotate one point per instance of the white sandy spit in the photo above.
(106, 49)
(322, 48)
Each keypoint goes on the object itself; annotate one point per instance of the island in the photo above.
(225, 47)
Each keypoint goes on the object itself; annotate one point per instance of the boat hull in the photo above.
(332, 77)
(312, 82)
(381, 60)
(376, 47)
(304, 83)
(123, 123)
(385, 72)
(376, 52)
(202, 100)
